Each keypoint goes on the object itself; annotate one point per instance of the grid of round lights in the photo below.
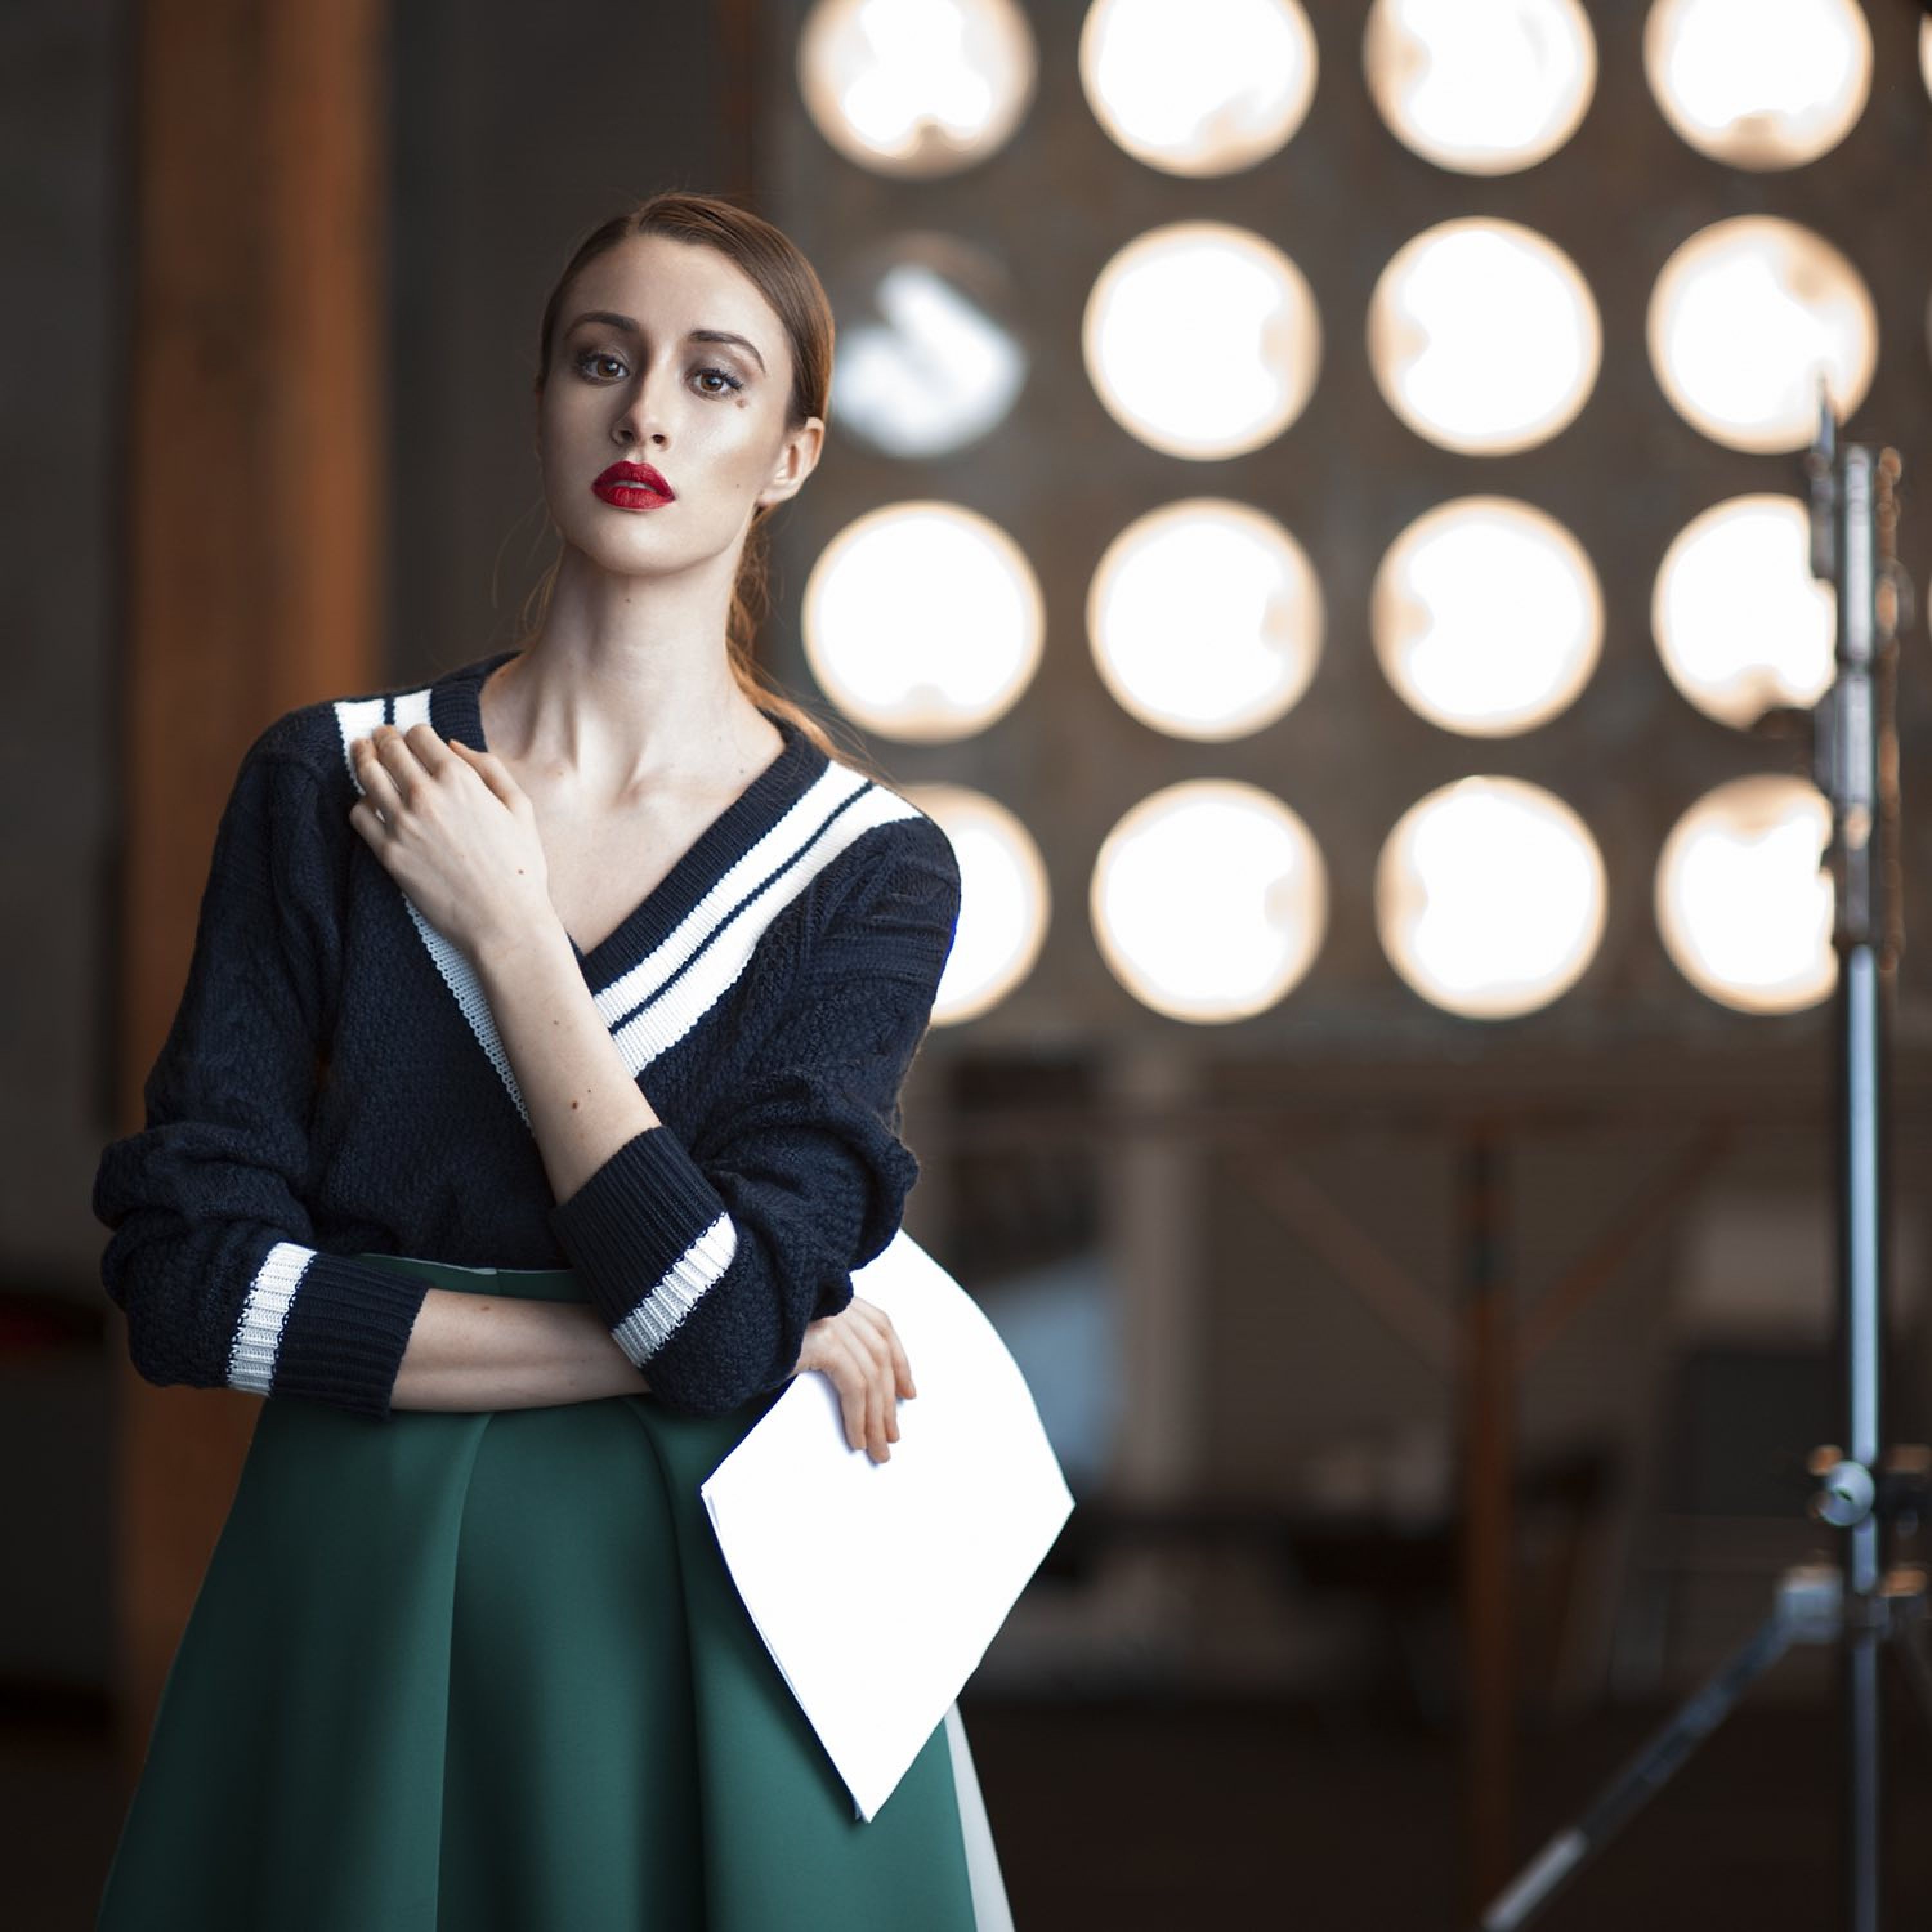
(1741, 623)
(972, 651)
(1196, 281)
(1209, 900)
(1744, 905)
(1002, 901)
(1490, 897)
(1760, 83)
(1486, 616)
(1745, 319)
(1204, 89)
(1205, 619)
(916, 87)
(1482, 87)
(1483, 336)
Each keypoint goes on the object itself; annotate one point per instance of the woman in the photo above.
(534, 1093)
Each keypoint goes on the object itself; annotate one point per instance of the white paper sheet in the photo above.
(877, 1587)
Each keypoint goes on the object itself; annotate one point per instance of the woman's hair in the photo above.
(786, 280)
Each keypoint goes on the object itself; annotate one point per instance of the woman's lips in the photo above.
(633, 486)
(631, 496)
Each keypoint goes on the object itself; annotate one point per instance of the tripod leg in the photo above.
(1644, 1774)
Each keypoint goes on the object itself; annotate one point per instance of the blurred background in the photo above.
(1315, 504)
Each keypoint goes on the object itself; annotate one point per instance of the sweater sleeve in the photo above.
(708, 1262)
(213, 1259)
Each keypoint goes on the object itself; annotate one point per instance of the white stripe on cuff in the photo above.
(649, 1325)
(258, 1335)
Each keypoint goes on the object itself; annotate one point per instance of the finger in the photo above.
(379, 787)
(901, 1368)
(851, 1404)
(426, 744)
(390, 752)
(362, 816)
(877, 1445)
(491, 769)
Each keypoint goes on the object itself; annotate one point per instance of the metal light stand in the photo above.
(1859, 1604)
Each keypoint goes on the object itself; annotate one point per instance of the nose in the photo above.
(642, 418)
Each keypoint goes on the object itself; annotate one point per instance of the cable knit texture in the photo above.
(333, 1086)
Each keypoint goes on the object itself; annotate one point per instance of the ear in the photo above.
(797, 459)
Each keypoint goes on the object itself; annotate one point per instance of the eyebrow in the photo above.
(628, 324)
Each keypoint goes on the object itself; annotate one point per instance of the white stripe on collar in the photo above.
(355, 717)
(668, 992)
(669, 1017)
(829, 794)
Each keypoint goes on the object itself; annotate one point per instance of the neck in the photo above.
(627, 688)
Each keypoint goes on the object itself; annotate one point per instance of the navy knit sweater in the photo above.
(334, 1084)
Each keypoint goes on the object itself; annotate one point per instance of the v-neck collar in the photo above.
(456, 711)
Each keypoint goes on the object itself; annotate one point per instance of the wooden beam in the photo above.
(252, 459)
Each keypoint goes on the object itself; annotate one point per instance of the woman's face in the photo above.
(667, 354)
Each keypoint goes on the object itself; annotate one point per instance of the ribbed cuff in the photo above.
(347, 1328)
(629, 1225)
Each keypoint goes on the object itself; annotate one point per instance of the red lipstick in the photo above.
(633, 486)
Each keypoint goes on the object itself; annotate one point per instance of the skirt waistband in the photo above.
(524, 1284)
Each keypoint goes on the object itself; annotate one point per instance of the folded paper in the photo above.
(877, 1587)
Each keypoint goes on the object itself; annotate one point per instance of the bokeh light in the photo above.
(929, 358)
(1490, 897)
(1484, 337)
(1003, 901)
(1193, 293)
(1743, 901)
(1204, 88)
(1740, 621)
(1745, 318)
(1486, 616)
(1482, 87)
(1209, 900)
(1205, 619)
(1760, 83)
(923, 620)
(916, 87)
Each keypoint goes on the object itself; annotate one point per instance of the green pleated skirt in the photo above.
(486, 1671)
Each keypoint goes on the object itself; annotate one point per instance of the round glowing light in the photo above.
(1484, 337)
(1483, 87)
(1760, 83)
(1743, 901)
(1741, 623)
(1205, 619)
(923, 620)
(1203, 89)
(1166, 293)
(1746, 317)
(1209, 900)
(1486, 616)
(929, 358)
(1003, 903)
(916, 87)
(1490, 897)
(1925, 54)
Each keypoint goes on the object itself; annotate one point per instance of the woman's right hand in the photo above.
(858, 1350)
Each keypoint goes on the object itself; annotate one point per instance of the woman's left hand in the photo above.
(456, 832)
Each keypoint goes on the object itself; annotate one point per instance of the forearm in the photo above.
(478, 1352)
(584, 1102)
